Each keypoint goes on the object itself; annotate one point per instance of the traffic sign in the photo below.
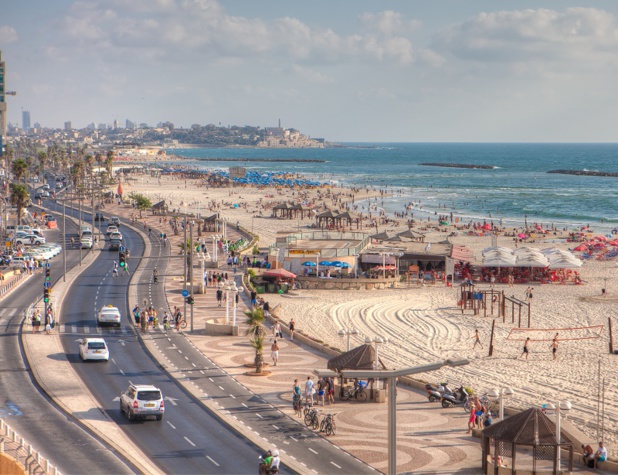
(47, 264)
(185, 293)
(47, 285)
(122, 248)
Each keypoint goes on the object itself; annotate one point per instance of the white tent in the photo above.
(532, 260)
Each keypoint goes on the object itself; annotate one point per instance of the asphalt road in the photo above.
(23, 405)
(189, 439)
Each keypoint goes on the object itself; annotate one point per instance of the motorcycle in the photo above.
(264, 470)
(435, 393)
(458, 398)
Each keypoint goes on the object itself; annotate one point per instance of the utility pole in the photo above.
(184, 278)
(191, 267)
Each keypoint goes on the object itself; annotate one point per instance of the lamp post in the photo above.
(227, 304)
(317, 264)
(348, 332)
(494, 394)
(276, 249)
(377, 341)
(215, 238)
(562, 406)
(236, 290)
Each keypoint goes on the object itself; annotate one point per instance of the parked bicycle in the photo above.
(328, 424)
(312, 418)
(358, 393)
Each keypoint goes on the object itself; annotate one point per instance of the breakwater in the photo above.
(583, 173)
(261, 160)
(459, 165)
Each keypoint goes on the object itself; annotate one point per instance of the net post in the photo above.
(611, 336)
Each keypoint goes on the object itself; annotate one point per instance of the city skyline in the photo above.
(356, 71)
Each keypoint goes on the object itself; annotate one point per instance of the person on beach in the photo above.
(525, 352)
(309, 391)
(477, 339)
(554, 346)
(472, 418)
(587, 453)
(292, 327)
(527, 294)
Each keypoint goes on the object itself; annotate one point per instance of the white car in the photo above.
(109, 315)
(93, 349)
(53, 248)
(116, 235)
(86, 242)
(141, 400)
(111, 229)
(29, 239)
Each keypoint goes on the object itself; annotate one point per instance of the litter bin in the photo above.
(271, 288)
(260, 289)
(381, 395)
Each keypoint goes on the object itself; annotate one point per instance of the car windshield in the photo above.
(149, 395)
(96, 345)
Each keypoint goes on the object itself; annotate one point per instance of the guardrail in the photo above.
(16, 447)
(6, 287)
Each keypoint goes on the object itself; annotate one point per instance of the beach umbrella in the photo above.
(325, 263)
(345, 265)
(309, 264)
(336, 264)
(521, 236)
(282, 273)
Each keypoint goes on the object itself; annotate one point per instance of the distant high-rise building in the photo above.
(115, 124)
(67, 126)
(129, 125)
(91, 126)
(102, 126)
(2, 98)
(37, 125)
(25, 120)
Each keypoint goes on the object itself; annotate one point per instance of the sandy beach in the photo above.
(424, 324)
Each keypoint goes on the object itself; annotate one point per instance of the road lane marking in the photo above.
(232, 396)
(171, 425)
(210, 379)
(259, 415)
(275, 427)
(336, 465)
(208, 457)
(245, 405)
(189, 441)
(313, 451)
(121, 372)
(221, 388)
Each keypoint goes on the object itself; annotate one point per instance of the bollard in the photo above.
(30, 450)
(47, 466)
(22, 442)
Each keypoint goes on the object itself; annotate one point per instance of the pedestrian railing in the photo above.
(16, 447)
(4, 288)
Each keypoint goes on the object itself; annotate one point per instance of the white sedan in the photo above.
(93, 349)
(109, 315)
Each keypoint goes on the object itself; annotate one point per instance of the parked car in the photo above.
(30, 239)
(141, 400)
(93, 349)
(109, 315)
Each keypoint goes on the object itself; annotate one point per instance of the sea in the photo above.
(516, 189)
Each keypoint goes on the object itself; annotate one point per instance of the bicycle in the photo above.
(350, 392)
(298, 407)
(312, 418)
(328, 424)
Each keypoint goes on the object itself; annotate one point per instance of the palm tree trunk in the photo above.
(259, 362)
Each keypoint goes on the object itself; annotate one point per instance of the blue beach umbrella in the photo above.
(325, 263)
(337, 264)
(309, 264)
(345, 265)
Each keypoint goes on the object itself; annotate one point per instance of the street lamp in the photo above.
(377, 341)
(562, 406)
(317, 264)
(236, 290)
(276, 249)
(227, 304)
(215, 239)
(348, 332)
(494, 394)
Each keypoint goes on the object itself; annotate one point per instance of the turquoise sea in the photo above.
(519, 186)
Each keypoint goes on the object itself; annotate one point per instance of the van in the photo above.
(23, 227)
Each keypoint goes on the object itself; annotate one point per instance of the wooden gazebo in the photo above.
(529, 440)
(337, 219)
(291, 211)
(361, 357)
(159, 208)
(210, 223)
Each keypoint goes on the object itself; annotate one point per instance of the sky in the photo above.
(346, 71)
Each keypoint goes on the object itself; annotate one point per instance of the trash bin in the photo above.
(284, 288)
(271, 288)
(260, 289)
(381, 395)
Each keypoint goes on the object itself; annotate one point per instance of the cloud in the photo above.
(179, 29)
(8, 35)
(577, 34)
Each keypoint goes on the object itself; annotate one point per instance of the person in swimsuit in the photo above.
(525, 352)
(554, 346)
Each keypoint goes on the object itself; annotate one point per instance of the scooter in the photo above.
(457, 399)
(435, 393)
(263, 470)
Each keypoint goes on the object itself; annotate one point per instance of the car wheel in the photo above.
(121, 409)
(130, 415)
(159, 417)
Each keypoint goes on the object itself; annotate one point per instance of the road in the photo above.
(24, 406)
(189, 439)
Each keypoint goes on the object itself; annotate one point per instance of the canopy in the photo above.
(499, 249)
(361, 357)
(282, 273)
(385, 268)
(326, 263)
(309, 264)
(337, 264)
(532, 261)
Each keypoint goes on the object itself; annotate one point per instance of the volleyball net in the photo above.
(548, 334)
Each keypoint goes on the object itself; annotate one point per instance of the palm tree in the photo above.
(20, 197)
(109, 163)
(43, 158)
(256, 334)
(19, 168)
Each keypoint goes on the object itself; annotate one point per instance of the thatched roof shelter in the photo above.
(361, 357)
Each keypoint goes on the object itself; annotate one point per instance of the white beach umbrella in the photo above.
(499, 261)
(532, 260)
(497, 249)
(565, 263)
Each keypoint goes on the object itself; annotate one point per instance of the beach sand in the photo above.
(424, 324)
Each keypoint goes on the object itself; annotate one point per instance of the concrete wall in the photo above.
(214, 328)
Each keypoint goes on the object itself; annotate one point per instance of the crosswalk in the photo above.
(95, 330)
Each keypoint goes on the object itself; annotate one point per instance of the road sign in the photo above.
(185, 293)
(47, 285)
(122, 248)
(47, 264)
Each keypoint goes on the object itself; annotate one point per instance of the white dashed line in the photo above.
(208, 457)
(171, 425)
(259, 415)
(210, 379)
(232, 396)
(245, 405)
(189, 441)
(313, 451)
(221, 388)
(336, 465)
(275, 427)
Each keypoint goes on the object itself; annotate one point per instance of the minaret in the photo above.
(279, 123)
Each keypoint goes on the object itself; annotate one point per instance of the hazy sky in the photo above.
(346, 70)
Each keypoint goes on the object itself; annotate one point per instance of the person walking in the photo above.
(472, 418)
(525, 352)
(275, 352)
(321, 391)
(115, 270)
(292, 327)
(296, 398)
(309, 391)
(277, 330)
(219, 297)
(477, 339)
(331, 390)
(554, 346)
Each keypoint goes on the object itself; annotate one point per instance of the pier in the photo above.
(459, 165)
(584, 173)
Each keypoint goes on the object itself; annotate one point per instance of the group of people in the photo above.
(590, 457)
(36, 320)
(324, 390)
(148, 318)
(479, 415)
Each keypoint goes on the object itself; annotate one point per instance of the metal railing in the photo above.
(15, 446)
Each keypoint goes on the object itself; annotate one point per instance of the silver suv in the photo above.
(142, 400)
